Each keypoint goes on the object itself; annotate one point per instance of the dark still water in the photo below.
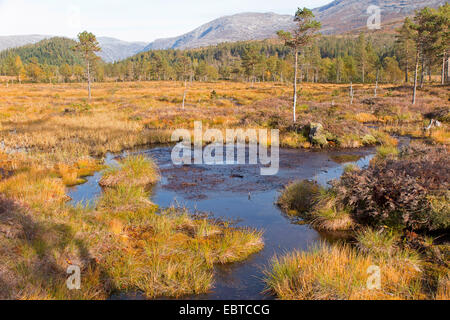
(240, 193)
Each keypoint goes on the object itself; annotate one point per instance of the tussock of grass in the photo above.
(328, 215)
(384, 152)
(125, 243)
(168, 253)
(331, 219)
(299, 197)
(135, 170)
(294, 140)
(443, 291)
(74, 174)
(34, 187)
(350, 168)
(365, 117)
(316, 205)
(123, 198)
(340, 272)
(385, 139)
(441, 136)
(377, 242)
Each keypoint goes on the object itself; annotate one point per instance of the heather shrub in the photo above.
(411, 192)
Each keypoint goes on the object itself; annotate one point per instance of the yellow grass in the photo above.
(339, 272)
(125, 243)
(132, 171)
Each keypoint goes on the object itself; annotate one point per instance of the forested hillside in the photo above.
(54, 52)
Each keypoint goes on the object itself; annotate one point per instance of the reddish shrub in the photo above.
(402, 192)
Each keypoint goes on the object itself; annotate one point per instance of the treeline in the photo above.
(364, 58)
(330, 59)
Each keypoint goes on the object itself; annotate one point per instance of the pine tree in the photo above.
(427, 28)
(302, 36)
(405, 46)
(250, 60)
(361, 55)
(443, 45)
(88, 45)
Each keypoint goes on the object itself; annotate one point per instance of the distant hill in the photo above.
(116, 50)
(54, 51)
(112, 49)
(8, 42)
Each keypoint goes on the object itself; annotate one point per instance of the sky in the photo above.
(130, 20)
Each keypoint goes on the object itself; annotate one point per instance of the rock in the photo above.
(434, 123)
(441, 114)
(317, 134)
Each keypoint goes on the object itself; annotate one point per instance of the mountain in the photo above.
(8, 42)
(339, 16)
(342, 16)
(112, 49)
(238, 27)
(115, 49)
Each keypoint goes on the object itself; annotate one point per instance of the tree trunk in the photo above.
(429, 71)
(443, 69)
(89, 81)
(363, 73)
(406, 68)
(447, 77)
(422, 73)
(184, 93)
(415, 78)
(295, 83)
(351, 93)
(376, 84)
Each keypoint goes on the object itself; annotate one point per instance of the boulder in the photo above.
(318, 135)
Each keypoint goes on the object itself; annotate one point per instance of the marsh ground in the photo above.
(53, 138)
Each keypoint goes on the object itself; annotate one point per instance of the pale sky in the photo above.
(130, 20)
